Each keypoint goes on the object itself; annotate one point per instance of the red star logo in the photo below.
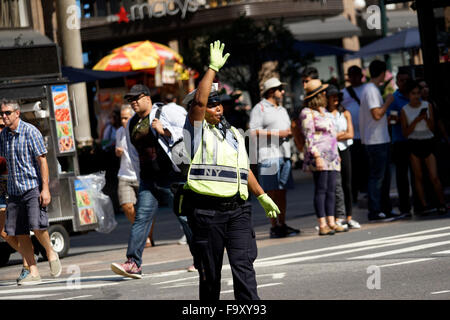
(123, 15)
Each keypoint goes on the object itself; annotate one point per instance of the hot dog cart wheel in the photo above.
(60, 240)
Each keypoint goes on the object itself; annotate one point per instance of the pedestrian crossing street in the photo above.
(430, 244)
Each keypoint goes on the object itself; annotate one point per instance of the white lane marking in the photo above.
(440, 292)
(180, 285)
(403, 250)
(66, 288)
(228, 281)
(406, 262)
(260, 286)
(29, 296)
(442, 252)
(300, 259)
(73, 298)
(176, 280)
(394, 240)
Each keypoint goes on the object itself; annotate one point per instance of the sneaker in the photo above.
(23, 274)
(277, 232)
(191, 269)
(30, 280)
(353, 224)
(380, 217)
(182, 240)
(55, 268)
(397, 215)
(289, 231)
(127, 269)
(343, 224)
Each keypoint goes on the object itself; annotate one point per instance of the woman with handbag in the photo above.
(321, 154)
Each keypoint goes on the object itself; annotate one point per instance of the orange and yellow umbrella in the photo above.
(139, 55)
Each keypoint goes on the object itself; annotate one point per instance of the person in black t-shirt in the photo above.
(150, 138)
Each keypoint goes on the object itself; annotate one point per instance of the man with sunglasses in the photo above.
(150, 138)
(28, 188)
(271, 125)
(216, 191)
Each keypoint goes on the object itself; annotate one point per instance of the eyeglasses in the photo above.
(5, 113)
(213, 104)
(135, 98)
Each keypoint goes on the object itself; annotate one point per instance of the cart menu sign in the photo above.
(64, 127)
(85, 204)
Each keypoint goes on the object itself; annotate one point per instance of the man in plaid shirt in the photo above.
(28, 188)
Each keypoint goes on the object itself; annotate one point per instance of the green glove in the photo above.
(269, 206)
(216, 59)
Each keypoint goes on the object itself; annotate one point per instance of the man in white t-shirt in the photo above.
(374, 132)
(351, 100)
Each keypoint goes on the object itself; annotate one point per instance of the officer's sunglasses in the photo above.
(213, 104)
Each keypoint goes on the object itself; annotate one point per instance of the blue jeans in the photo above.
(379, 178)
(149, 196)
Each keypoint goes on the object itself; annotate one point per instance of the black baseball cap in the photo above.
(332, 90)
(137, 90)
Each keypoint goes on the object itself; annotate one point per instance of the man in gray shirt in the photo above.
(271, 125)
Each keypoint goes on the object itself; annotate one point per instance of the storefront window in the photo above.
(14, 14)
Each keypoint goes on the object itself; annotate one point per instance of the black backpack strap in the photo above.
(158, 111)
(352, 94)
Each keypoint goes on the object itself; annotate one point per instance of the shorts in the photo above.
(127, 191)
(275, 174)
(421, 148)
(24, 214)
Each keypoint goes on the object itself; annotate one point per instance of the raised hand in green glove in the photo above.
(269, 206)
(217, 59)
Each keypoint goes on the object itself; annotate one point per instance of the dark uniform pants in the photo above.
(214, 230)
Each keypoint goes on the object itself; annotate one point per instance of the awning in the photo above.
(86, 75)
(22, 37)
(403, 40)
(323, 29)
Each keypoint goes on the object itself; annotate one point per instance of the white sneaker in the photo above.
(342, 224)
(352, 224)
(182, 240)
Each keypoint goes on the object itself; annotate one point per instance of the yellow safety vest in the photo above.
(217, 169)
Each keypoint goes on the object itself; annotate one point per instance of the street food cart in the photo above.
(45, 102)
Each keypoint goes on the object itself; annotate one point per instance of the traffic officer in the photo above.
(216, 191)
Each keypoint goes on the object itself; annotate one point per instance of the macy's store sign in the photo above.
(156, 9)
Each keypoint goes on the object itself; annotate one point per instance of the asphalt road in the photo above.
(405, 259)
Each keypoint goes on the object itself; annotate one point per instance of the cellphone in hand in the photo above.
(423, 111)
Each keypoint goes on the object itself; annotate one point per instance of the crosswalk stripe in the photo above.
(61, 288)
(442, 252)
(391, 239)
(29, 296)
(276, 261)
(403, 250)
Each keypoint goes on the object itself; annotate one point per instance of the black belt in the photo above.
(201, 201)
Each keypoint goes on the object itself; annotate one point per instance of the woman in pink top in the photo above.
(321, 154)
